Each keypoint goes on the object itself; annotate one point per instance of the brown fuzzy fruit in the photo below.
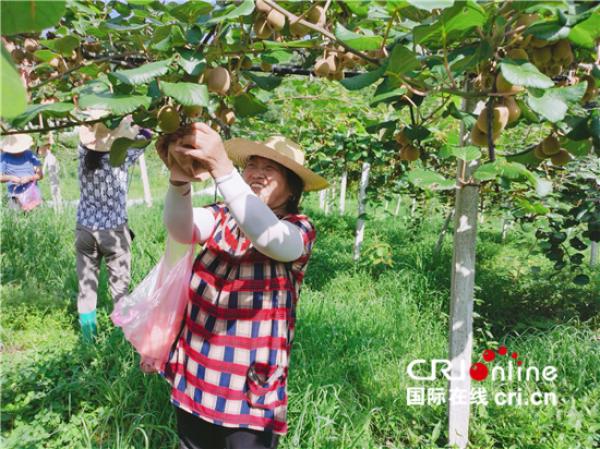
(192, 111)
(517, 53)
(525, 20)
(262, 28)
(409, 153)
(550, 145)
(298, 30)
(266, 66)
(541, 56)
(537, 43)
(276, 20)
(500, 119)
(590, 91)
(338, 75)
(246, 63)
(514, 111)
(261, 6)
(402, 138)
(538, 153)
(31, 45)
(226, 115)
(561, 158)
(18, 55)
(321, 68)
(562, 52)
(316, 15)
(168, 119)
(478, 137)
(218, 80)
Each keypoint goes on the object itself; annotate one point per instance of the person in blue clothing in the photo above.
(19, 167)
(102, 231)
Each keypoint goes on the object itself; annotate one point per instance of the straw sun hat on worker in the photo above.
(16, 143)
(99, 137)
(281, 150)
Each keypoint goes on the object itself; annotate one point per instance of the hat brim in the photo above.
(239, 150)
(21, 143)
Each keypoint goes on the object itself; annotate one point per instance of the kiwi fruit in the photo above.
(261, 6)
(550, 145)
(168, 119)
(226, 115)
(500, 119)
(562, 52)
(322, 68)
(299, 30)
(218, 80)
(316, 15)
(402, 138)
(409, 153)
(517, 53)
(262, 28)
(541, 56)
(192, 111)
(538, 153)
(266, 66)
(561, 158)
(246, 63)
(276, 20)
(30, 45)
(514, 111)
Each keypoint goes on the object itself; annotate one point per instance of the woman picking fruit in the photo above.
(229, 367)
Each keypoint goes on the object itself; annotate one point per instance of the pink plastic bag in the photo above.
(30, 198)
(151, 315)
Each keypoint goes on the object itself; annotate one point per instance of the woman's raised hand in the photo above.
(201, 142)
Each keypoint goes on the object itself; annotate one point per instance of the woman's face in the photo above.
(267, 180)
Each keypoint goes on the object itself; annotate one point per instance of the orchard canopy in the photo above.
(491, 67)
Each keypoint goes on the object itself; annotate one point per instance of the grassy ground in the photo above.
(357, 329)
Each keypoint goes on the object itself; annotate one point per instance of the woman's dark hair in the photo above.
(296, 186)
(92, 159)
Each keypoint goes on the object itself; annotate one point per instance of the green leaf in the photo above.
(118, 149)
(45, 55)
(357, 41)
(50, 109)
(233, 12)
(118, 27)
(391, 94)
(553, 103)
(452, 25)
(549, 31)
(430, 5)
(63, 45)
(402, 60)
(359, 8)
(587, 32)
(10, 81)
(247, 105)
(190, 11)
(304, 43)
(521, 73)
(191, 62)
(466, 153)
(29, 16)
(581, 279)
(143, 73)
(466, 57)
(430, 180)
(577, 148)
(486, 172)
(363, 80)
(117, 104)
(187, 94)
(264, 82)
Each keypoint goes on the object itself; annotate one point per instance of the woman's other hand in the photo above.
(203, 143)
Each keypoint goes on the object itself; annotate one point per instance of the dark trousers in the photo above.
(195, 433)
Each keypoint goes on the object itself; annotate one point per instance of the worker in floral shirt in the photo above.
(229, 368)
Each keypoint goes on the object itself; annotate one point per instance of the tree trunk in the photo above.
(343, 184)
(322, 198)
(362, 200)
(440, 242)
(461, 304)
(145, 183)
(593, 254)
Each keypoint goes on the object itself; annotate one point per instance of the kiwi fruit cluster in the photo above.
(549, 148)
(408, 152)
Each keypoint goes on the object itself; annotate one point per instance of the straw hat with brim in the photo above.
(99, 137)
(16, 143)
(281, 150)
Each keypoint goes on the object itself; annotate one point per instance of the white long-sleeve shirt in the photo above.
(275, 238)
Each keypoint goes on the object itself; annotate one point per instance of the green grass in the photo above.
(358, 327)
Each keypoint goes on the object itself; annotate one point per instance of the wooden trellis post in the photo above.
(343, 184)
